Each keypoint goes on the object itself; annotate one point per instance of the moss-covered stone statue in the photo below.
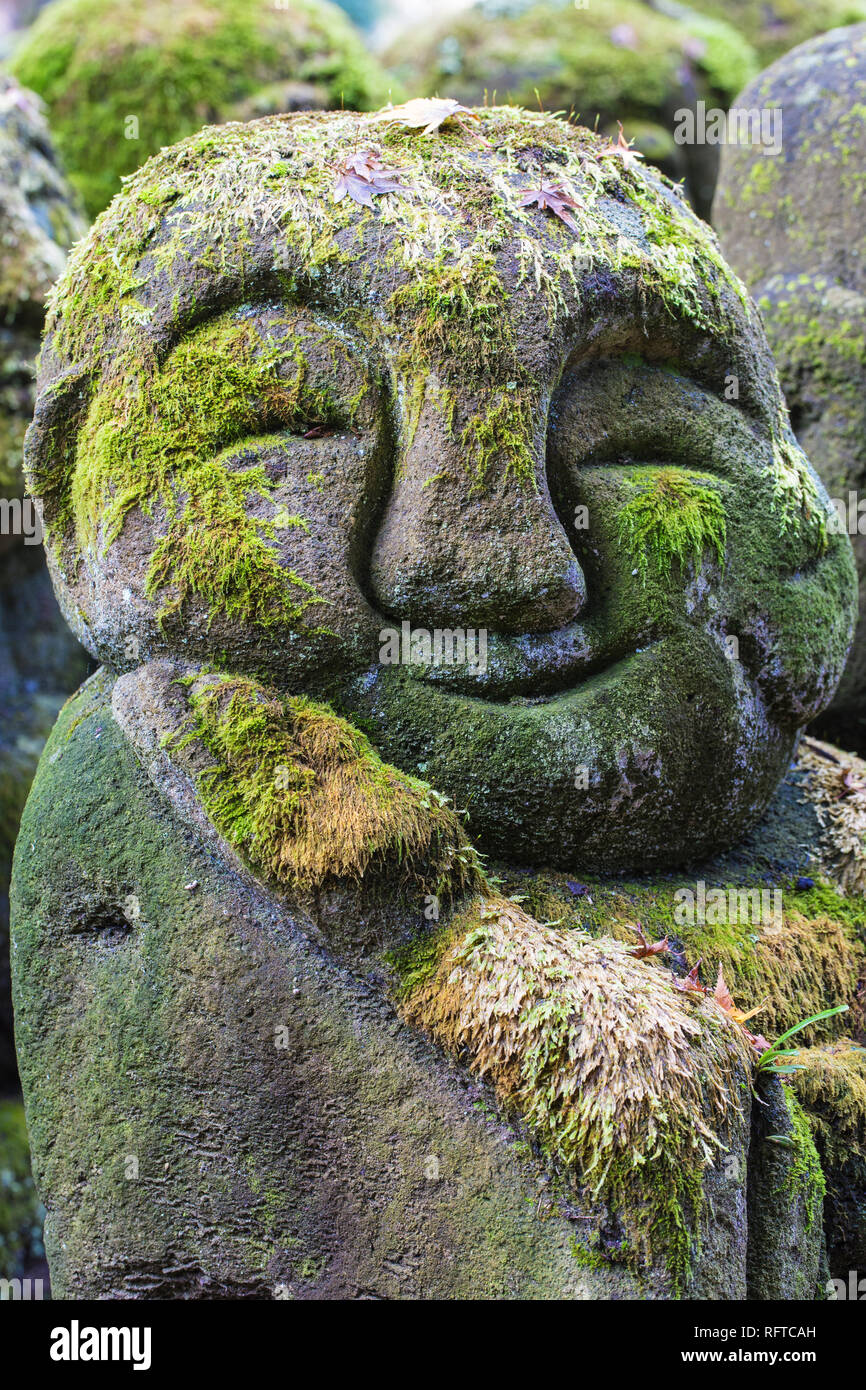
(607, 61)
(794, 227)
(773, 27)
(121, 78)
(423, 483)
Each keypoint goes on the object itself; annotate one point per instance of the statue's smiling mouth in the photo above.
(495, 667)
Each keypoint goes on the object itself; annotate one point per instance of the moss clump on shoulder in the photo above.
(306, 799)
(626, 1084)
(674, 517)
(122, 78)
(808, 957)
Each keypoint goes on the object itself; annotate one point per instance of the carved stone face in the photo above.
(309, 439)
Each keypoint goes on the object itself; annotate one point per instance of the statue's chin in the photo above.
(663, 757)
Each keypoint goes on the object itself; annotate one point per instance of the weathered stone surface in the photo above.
(319, 377)
(218, 1107)
(40, 662)
(171, 66)
(456, 413)
(793, 227)
(608, 61)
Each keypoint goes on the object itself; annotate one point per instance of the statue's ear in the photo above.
(296, 799)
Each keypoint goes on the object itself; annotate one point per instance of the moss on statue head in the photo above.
(674, 517)
(123, 79)
(252, 204)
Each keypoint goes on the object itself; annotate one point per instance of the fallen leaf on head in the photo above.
(363, 177)
(691, 984)
(622, 149)
(427, 112)
(646, 947)
(552, 197)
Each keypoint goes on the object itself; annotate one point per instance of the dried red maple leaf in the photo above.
(553, 198)
(622, 149)
(647, 948)
(428, 112)
(363, 177)
(691, 984)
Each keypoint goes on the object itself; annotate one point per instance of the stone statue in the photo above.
(424, 486)
(122, 78)
(793, 227)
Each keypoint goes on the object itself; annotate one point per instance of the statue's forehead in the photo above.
(493, 236)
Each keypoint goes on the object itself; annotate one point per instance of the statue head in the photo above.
(468, 430)
(793, 227)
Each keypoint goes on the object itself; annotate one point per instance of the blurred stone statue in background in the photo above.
(40, 662)
(794, 227)
(121, 78)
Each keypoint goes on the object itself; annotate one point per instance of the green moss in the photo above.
(174, 67)
(502, 434)
(305, 797)
(168, 445)
(804, 1175)
(674, 517)
(831, 1087)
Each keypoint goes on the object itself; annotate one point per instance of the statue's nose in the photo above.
(456, 550)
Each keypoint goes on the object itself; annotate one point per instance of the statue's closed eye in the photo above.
(203, 443)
